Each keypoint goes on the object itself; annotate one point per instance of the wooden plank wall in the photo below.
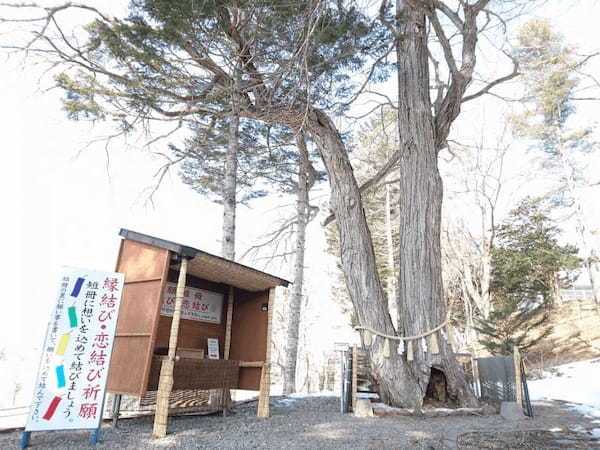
(145, 268)
(249, 335)
(193, 334)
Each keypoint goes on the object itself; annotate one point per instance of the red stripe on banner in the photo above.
(52, 408)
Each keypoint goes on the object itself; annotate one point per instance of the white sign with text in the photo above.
(197, 304)
(71, 381)
(213, 348)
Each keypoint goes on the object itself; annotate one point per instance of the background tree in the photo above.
(553, 86)
(528, 265)
(268, 159)
(477, 182)
(307, 176)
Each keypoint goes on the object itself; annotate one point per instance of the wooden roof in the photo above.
(211, 267)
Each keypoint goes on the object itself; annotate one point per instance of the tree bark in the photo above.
(230, 188)
(294, 313)
(395, 378)
(389, 241)
(421, 305)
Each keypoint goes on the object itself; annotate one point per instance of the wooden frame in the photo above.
(518, 378)
(245, 328)
(142, 289)
(265, 379)
(226, 394)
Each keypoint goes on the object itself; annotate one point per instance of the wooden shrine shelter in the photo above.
(176, 302)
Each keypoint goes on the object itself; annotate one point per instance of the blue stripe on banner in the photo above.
(77, 287)
(60, 376)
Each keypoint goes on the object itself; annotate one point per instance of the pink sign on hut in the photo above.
(71, 381)
(197, 304)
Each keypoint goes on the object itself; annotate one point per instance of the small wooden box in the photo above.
(191, 353)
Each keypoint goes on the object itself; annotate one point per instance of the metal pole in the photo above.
(116, 408)
(25, 439)
(96, 435)
(343, 380)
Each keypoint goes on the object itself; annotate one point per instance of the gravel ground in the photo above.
(303, 423)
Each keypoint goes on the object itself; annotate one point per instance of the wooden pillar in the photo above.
(475, 372)
(265, 377)
(165, 382)
(518, 380)
(226, 394)
(354, 375)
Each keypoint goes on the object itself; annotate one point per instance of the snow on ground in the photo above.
(575, 383)
(314, 394)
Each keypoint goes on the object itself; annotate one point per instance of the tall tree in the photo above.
(230, 187)
(527, 263)
(423, 127)
(552, 84)
(166, 61)
(306, 180)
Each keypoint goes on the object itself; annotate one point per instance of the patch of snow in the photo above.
(575, 383)
(285, 401)
(388, 407)
(586, 410)
(13, 421)
(313, 394)
(367, 395)
(555, 430)
(596, 432)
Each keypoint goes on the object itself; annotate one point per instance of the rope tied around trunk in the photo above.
(403, 338)
(433, 347)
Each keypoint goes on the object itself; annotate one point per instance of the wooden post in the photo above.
(165, 382)
(475, 371)
(354, 375)
(226, 394)
(518, 380)
(265, 377)
(228, 326)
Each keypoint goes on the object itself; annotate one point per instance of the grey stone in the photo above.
(511, 411)
(363, 408)
(488, 410)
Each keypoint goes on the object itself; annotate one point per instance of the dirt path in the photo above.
(315, 423)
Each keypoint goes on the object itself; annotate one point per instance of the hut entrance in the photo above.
(191, 326)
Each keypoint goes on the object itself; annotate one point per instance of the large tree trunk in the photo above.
(394, 376)
(421, 305)
(294, 313)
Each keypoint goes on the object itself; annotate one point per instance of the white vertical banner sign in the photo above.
(71, 381)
